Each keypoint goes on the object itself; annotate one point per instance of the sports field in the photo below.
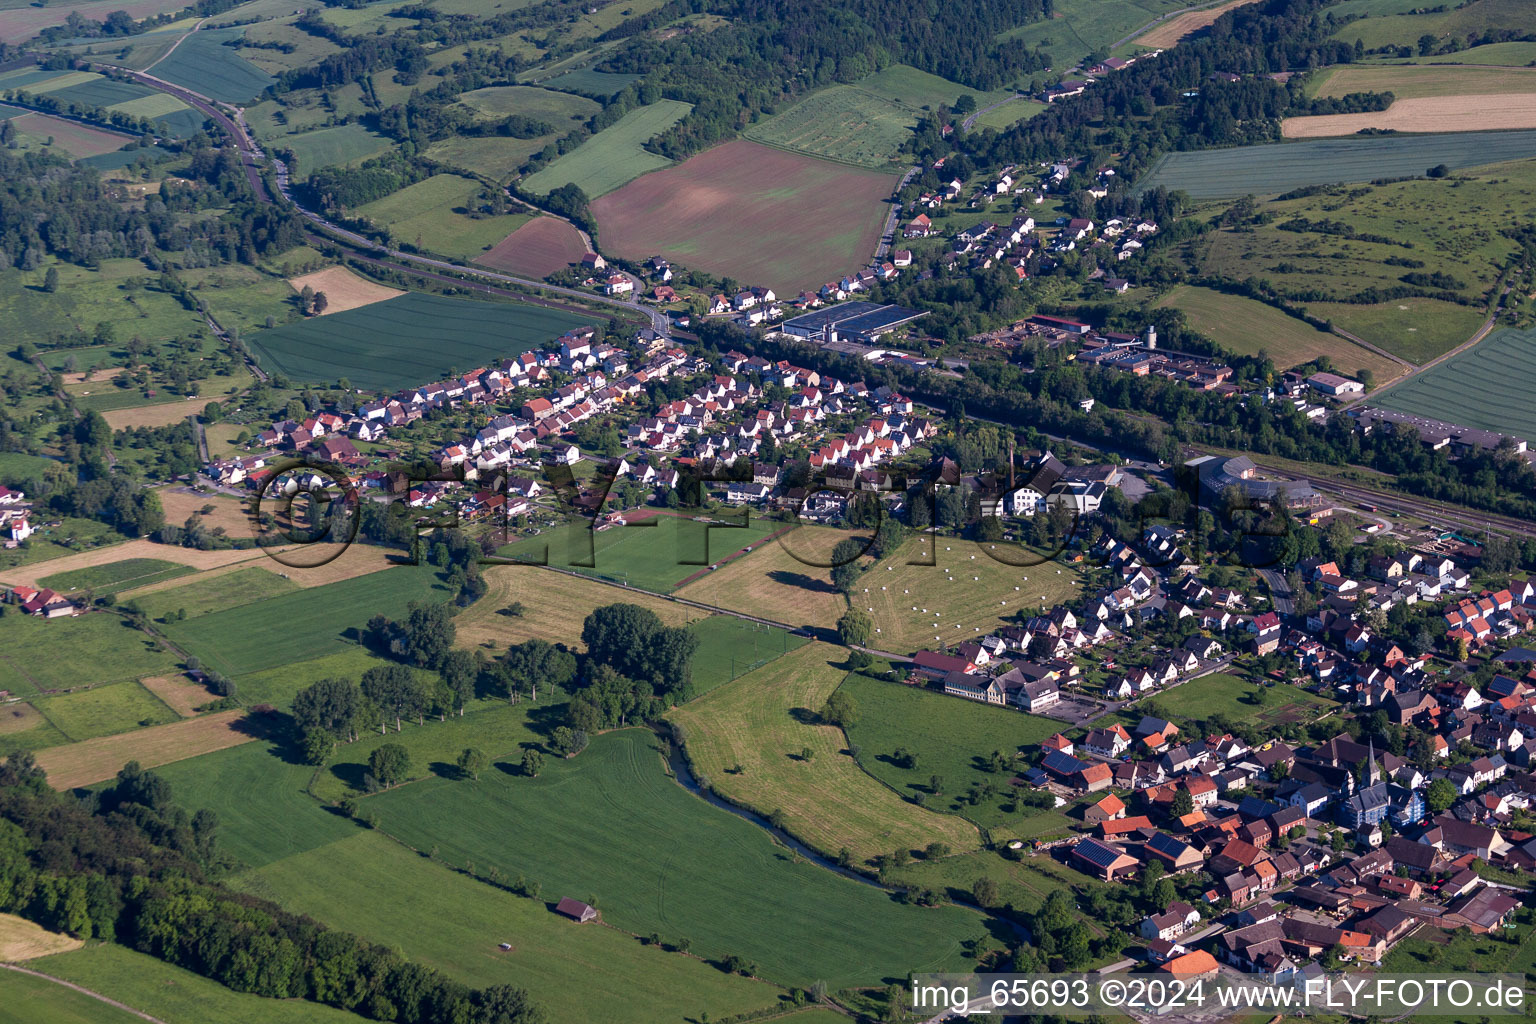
(761, 723)
(115, 576)
(751, 212)
(783, 580)
(1490, 386)
(408, 341)
(446, 920)
(1247, 327)
(655, 557)
(52, 654)
(730, 648)
(1280, 167)
(327, 147)
(611, 826)
(950, 737)
(614, 155)
(100, 758)
(537, 249)
(204, 63)
(433, 215)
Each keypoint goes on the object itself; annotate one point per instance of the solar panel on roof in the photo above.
(1099, 854)
(1062, 764)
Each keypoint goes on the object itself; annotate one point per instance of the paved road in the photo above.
(1279, 591)
(888, 233)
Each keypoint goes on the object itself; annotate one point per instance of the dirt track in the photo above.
(1425, 114)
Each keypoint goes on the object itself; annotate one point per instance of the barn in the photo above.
(576, 910)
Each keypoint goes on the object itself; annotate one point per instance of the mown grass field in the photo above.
(1239, 699)
(1009, 114)
(454, 923)
(952, 738)
(1416, 81)
(100, 758)
(784, 580)
(21, 939)
(751, 212)
(432, 215)
(614, 155)
(763, 721)
(404, 341)
(655, 553)
(1275, 168)
(327, 147)
(28, 1000)
(308, 624)
(174, 995)
(1415, 329)
(610, 825)
(203, 62)
(730, 647)
(51, 654)
(216, 593)
(115, 576)
(105, 711)
(1489, 386)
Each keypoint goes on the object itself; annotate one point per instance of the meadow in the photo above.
(1279, 167)
(751, 212)
(1025, 883)
(407, 341)
(1009, 114)
(1082, 26)
(730, 648)
(1406, 81)
(433, 216)
(656, 553)
(610, 827)
(614, 155)
(497, 157)
(328, 147)
(23, 728)
(1237, 698)
(1490, 386)
(107, 294)
(204, 63)
(115, 576)
(590, 83)
(1246, 326)
(444, 919)
(100, 758)
(105, 711)
(307, 624)
(1415, 329)
(1403, 22)
(748, 739)
(277, 686)
(558, 108)
(28, 1000)
(52, 654)
(950, 737)
(210, 594)
(537, 249)
(783, 580)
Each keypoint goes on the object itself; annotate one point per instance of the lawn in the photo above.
(443, 919)
(105, 711)
(1237, 698)
(407, 341)
(614, 155)
(115, 576)
(1414, 329)
(950, 737)
(1246, 327)
(611, 826)
(173, 995)
(655, 553)
(203, 62)
(216, 593)
(328, 147)
(303, 625)
(433, 216)
(730, 647)
(1279, 167)
(966, 594)
(760, 215)
(1488, 386)
(761, 723)
(784, 580)
(51, 654)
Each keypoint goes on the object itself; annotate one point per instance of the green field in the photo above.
(407, 341)
(610, 825)
(171, 994)
(277, 686)
(105, 710)
(952, 738)
(1508, 54)
(865, 124)
(1408, 81)
(1009, 114)
(1280, 167)
(303, 625)
(590, 83)
(434, 216)
(731, 647)
(86, 298)
(1248, 327)
(115, 576)
(1395, 23)
(27, 1000)
(1415, 329)
(1241, 700)
(216, 593)
(614, 155)
(1082, 26)
(558, 108)
(52, 654)
(328, 147)
(204, 63)
(1489, 386)
(654, 557)
(71, 536)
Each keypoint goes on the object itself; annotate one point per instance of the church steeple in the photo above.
(1372, 776)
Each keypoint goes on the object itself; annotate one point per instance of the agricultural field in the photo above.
(441, 918)
(22, 940)
(950, 737)
(611, 826)
(1395, 23)
(407, 341)
(23, 728)
(215, 593)
(966, 594)
(1506, 54)
(601, 84)
(343, 289)
(95, 760)
(105, 711)
(562, 109)
(658, 553)
(52, 654)
(162, 415)
(76, 140)
(173, 995)
(1237, 698)
(1280, 167)
(115, 576)
(179, 693)
(1489, 386)
(748, 738)
(115, 552)
(21, 23)
(1414, 329)
(1428, 114)
(555, 604)
(537, 249)
(784, 580)
(1009, 114)
(433, 215)
(307, 624)
(1247, 327)
(497, 157)
(1083, 26)
(750, 212)
(1169, 32)
(277, 686)
(614, 155)
(730, 648)
(204, 63)
(1408, 82)
(329, 147)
